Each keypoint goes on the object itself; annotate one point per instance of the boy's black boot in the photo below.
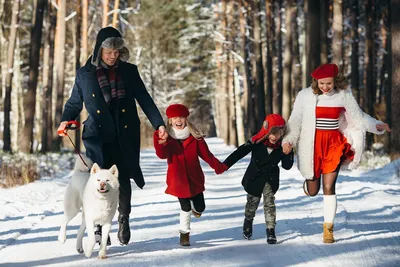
(247, 229)
(271, 238)
(97, 234)
(124, 231)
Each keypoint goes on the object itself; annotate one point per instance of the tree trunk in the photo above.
(337, 40)
(60, 67)
(258, 71)
(224, 108)
(287, 62)
(277, 97)
(270, 55)
(354, 51)
(241, 138)
(9, 75)
(297, 69)
(26, 144)
(369, 92)
(48, 63)
(84, 39)
(324, 31)
(105, 13)
(312, 47)
(78, 30)
(115, 15)
(247, 85)
(394, 77)
(218, 63)
(231, 35)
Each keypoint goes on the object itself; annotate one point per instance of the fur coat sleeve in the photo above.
(354, 126)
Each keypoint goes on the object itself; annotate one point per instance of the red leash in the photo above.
(73, 125)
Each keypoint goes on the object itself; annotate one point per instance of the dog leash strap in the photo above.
(77, 152)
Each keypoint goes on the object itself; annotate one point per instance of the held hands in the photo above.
(162, 135)
(221, 168)
(286, 148)
(383, 127)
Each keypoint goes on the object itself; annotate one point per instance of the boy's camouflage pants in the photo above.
(269, 206)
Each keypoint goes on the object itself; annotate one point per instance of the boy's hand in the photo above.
(221, 168)
(286, 148)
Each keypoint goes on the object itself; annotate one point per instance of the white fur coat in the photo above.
(354, 123)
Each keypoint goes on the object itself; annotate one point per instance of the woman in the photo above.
(328, 128)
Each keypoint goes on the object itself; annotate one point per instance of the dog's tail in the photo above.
(80, 165)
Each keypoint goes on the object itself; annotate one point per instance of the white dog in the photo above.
(97, 193)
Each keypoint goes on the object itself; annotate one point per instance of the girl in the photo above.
(185, 178)
(328, 128)
(262, 174)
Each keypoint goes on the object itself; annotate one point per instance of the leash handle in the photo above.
(71, 125)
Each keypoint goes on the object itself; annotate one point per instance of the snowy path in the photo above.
(367, 226)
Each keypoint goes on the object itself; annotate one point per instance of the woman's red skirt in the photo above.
(330, 149)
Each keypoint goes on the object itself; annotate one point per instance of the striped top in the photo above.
(328, 110)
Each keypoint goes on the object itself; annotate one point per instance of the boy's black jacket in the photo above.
(263, 167)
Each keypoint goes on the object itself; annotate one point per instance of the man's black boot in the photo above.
(124, 231)
(97, 234)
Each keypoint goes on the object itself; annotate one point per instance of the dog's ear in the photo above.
(95, 168)
(114, 170)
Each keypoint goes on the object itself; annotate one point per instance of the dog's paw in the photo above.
(80, 250)
(88, 254)
(102, 257)
(61, 239)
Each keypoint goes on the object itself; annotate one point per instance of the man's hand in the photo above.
(162, 135)
(383, 126)
(286, 148)
(62, 130)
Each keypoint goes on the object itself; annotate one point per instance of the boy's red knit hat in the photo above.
(177, 110)
(272, 120)
(325, 71)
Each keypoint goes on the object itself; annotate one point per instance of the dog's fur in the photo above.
(97, 193)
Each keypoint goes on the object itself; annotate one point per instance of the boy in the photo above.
(262, 174)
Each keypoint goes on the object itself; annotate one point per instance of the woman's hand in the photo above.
(286, 148)
(383, 127)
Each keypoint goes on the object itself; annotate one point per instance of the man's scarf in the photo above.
(111, 86)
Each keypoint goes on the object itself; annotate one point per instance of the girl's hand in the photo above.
(221, 168)
(162, 135)
(383, 127)
(286, 148)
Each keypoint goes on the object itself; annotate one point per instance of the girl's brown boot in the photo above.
(328, 233)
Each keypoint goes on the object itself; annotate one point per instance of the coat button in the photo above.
(98, 111)
(126, 126)
(123, 110)
(99, 125)
(93, 95)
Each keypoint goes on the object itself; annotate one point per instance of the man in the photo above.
(109, 86)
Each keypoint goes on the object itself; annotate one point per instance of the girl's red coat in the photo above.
(185, 178)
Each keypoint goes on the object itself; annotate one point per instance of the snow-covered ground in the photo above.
(367, 226)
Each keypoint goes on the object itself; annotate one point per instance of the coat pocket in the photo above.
(90, 128)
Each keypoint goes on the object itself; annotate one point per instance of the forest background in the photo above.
(232, 62)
